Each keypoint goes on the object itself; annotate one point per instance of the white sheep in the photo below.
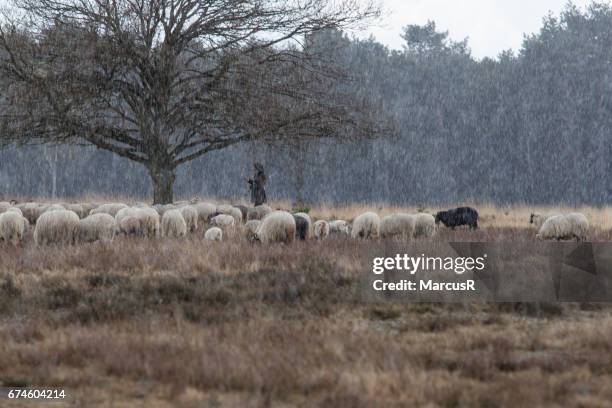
(15, 210)
(213, 234)
(568, 226)
(173, 224)
(251, 229)
(12, 227)
(190, 215)
(97, 227)
(57, 227)
(277, 226)
(149, 222)
(321, 229)
(366, 225)
(397, 226)
(77, 208)
(109, 208)
(538, 219)
(129, 226)
(339, 227)
(223, 220)
(205, 211)
(55, 207)
(231, 210)
(258, 213)
(424, 225)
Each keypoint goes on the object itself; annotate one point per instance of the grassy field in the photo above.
(188, 323)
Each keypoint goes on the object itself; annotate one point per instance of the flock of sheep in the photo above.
(87, 222)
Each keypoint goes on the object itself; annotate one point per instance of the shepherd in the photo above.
(256, 185)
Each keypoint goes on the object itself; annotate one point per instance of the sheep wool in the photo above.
(397, 226)
(321, 229)
(213, 234)
(251, 229)
(12, 227)
(76, 208)
(190, 215)
(130, 226)
(568, 226)
(173, 224)
(258, 212)
(366, 226)
(339, 227)
(109, 208)
(424, 225)
(205, 211)
(57, 227)
(97, 227)
(303, 225)
(538, 219)
(277, 226)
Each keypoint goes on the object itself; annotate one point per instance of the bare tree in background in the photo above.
(162, 82)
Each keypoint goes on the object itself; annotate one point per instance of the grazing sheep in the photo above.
(321, 229)
(244, 211)
(251, 229)
(76, 208)
(97, 227)
(55, 207)
(230, 210)
(57, 227)
(277, 226)
(191, 217)
(303, 226)
(568, 226)
(213, 234)
(337, 227)
(162, 208)
(258, 212)
(173, 224)
(205, 211)
(424, 226)
(87, 207)
(125, 212)
(538, 219)
(366, 226)
(224, 221)
(129, 226)
(397, 226)
(458, 217)
(12, 227)
(15, 210)
(149, 222)
(111, 209)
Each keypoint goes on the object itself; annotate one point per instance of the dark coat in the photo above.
(458, 217)
(256, 187)
(301, 227)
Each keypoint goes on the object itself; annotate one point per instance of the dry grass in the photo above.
(192, 323)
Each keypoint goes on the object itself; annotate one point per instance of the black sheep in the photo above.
(457, 217)
(301, 227)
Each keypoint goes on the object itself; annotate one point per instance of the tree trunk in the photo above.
(163, 183)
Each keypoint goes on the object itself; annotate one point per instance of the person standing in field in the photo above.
(256, 185)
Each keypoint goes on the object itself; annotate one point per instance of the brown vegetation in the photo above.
(194, 323)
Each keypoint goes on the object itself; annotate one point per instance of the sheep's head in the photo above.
(438, 218)
(532, 218)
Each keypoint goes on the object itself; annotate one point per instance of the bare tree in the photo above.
(162, 82)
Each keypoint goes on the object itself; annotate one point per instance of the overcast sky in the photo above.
(491, 25)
